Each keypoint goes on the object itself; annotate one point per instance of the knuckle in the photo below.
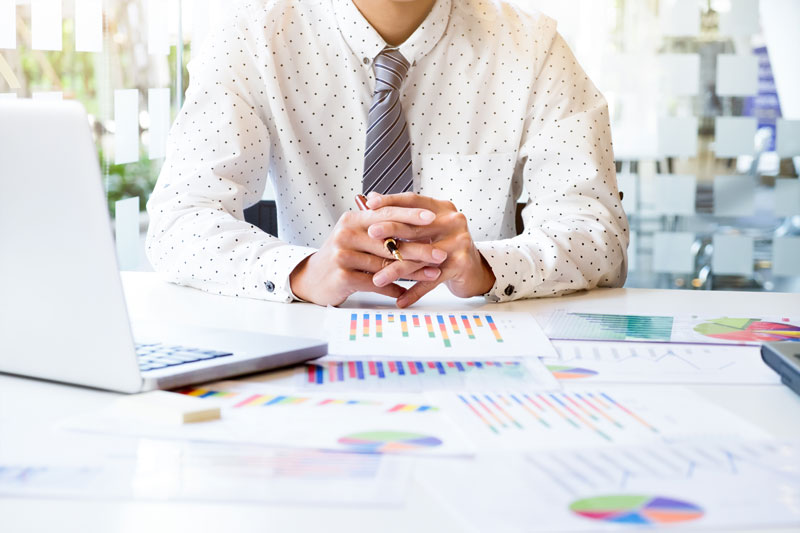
(347, 218)
(450, 206)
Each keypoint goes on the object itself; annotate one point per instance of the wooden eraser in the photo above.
(167, 407)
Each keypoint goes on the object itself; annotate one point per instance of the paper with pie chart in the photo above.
(254, 413)
(717, 484)
(652, 362)
(718, 329)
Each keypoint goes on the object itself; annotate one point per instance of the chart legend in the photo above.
(571, 372)
(388, 441)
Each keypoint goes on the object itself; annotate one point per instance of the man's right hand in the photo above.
(349, 258)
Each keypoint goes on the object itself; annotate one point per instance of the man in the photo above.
(441, 109)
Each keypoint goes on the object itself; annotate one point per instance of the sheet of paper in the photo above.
(187, 471)
(787, 138)
(434, 334)
(675, 194)
(253, 413)
(680, 74)
(589, 362)
(787, 197)
(159, 112)
(737, 75)
(718, 485)
(672, 252)
(734, 196)
(679, 17)
(8, 96)
(53, 96)
(677, 136)
(158, 27)
(565, 325)
(380, 375)
(741, 20)
(733, 255)
(46, 32)
(786, 256)
(735, 136)
(88, 25)
(589, 416)
(8, 24)
(126, 126)
(126, 230)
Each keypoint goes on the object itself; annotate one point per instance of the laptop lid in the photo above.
(62, 309)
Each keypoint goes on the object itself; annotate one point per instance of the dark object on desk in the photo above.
(784, 358)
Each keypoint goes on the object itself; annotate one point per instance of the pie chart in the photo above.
(388, 441)
(636, 509)
(750, 330)
(570, 372)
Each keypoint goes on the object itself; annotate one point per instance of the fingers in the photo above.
(417, 291)
(407, 199)
(398, 230)
(361, 281)
(404, 269)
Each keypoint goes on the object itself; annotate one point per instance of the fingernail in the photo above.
(380, 280)
(373, 200)
(375, 231)
(402, 301)
(426, 215)
(439, 255)
(431, 272)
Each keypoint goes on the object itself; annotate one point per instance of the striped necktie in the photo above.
(387, 157)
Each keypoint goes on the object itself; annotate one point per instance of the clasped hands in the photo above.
(433, 238)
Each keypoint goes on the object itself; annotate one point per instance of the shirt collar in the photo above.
(367, 43)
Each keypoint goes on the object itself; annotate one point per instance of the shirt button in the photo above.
(366, 61)
(269, 285)
(509, 290)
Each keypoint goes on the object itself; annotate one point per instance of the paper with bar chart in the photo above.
(718, 484)
(587, 416)
(192, 471)
(408, 375)
(253, 413)
(563, 325)
(440, 334)
(650, 362)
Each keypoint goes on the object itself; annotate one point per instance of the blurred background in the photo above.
(704, 97)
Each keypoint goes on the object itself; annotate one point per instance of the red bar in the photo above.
(397, 407)
(392, 367)
(331, 372)
(412, 368)
(451, 364)
(372, 370)
(323, 402)
(470, 363)
(247, 400)
(312, 374)
(351, 365)
(431, 364)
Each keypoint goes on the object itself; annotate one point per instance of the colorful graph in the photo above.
(570, 372)
(749, 330)
(597, 412)
(269, 400)
(340, 371)
(636, 509)
(388, 441)
(594, 326)
(405, 325)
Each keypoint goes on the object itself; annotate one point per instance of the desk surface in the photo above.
(30, 409)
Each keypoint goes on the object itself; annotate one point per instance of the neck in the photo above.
(394, 20)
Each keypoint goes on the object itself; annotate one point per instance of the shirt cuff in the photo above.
(512, 268)
(274, 268)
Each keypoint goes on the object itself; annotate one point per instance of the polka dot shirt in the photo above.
(494, 101)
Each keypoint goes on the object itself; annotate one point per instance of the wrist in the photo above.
(297, 277)
(488, 278)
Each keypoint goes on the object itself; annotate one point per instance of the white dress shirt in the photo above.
(494, 101)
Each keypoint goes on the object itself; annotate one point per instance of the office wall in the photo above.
(704, 129)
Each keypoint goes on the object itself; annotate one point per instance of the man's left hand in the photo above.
(465, 272)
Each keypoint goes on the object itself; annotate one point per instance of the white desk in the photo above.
(29, 409)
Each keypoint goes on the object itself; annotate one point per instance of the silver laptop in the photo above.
(62, 310)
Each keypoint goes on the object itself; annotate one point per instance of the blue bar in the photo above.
(424, 408)
(351, 402)
(320, 377)
(354, 316)
(402, 318)
(340, 371)
(207, 394)
(459, 366)
(478, 364)
(420, 368)
(558, 400)
(463, 317)
(276, 399)
(379, 366)
(489, 319)
(440, 318)
(440, 368)
(400, 370)
(377, 317)
(360, 369)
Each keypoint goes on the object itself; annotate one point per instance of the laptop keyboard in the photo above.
(153, 356)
